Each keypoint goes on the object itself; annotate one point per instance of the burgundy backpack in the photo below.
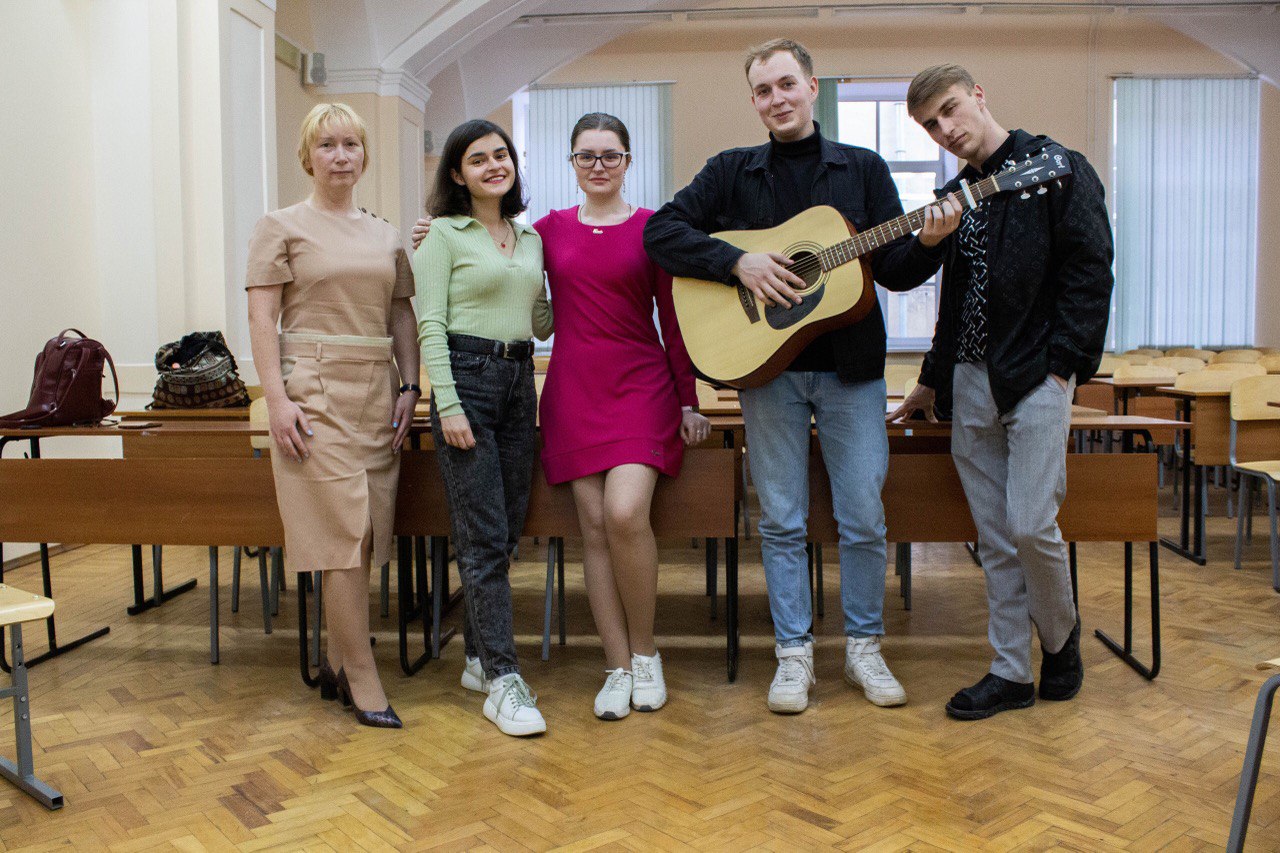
(67, 388)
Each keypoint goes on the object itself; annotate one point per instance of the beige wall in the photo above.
(47, 240)
(293, 102)
(1045, 73)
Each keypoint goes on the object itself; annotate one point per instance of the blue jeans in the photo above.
(855, 449)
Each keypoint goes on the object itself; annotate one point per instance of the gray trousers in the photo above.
(1014, 471)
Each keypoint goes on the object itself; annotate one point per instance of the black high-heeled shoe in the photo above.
(328, 682)
(377, 719)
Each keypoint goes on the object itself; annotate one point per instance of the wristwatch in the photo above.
(409, 386)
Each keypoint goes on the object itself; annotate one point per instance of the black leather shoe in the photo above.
(989, 697)
(386, 719)
(1062, 672)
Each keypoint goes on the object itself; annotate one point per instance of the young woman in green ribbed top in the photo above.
(481, 297)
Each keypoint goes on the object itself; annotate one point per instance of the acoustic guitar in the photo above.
(734, 340)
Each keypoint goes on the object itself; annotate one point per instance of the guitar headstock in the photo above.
(1049, 164)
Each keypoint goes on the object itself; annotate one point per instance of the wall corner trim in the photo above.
(346, 81)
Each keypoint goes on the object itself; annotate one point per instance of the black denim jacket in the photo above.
(734, 191)
(1048, 289)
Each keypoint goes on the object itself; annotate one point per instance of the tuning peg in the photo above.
(1058, 183)
(1042, 190)
(1025, 195)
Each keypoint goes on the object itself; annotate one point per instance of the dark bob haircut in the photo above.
(449, 198)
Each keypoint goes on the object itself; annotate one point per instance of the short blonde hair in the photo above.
(761, 52)
(931, 82)
(314, 124)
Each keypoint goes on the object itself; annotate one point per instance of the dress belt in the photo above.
(337, 347)
(513, 350)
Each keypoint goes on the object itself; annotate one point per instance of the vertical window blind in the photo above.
(1186, 211)
(645, 108)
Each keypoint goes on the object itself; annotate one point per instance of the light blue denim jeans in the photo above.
(855, 449)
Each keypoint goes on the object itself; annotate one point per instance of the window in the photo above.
(1186, 212)
(873, 114)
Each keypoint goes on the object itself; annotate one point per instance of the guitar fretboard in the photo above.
(867, 241)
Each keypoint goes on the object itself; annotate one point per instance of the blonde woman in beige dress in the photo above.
(338, 282)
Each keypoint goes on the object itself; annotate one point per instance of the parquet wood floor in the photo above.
(155, 748)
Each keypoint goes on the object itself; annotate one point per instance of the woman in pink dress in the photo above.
(618, 405)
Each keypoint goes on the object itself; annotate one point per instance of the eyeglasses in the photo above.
(610, 159)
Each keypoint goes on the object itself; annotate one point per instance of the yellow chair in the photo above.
(1178, 364)
(1239, 368)
(1270, 363)
(1107, 366)
(1236, 356)
(1250, 412)
(1206, 380)
(1191, 352)
(17, 607)
(1144, 371)
(1154, 353)
(896, 377)
(1134, 357)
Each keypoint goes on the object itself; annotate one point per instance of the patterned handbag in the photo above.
(197, 372)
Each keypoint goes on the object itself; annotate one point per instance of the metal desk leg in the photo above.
(713, 568)
(1125, 652)
(23, 773)
(1183, 547)
(1252, 761)
(439, 594)
(213, 605)
(546, 607)
(159, 595)
(51, 626)
(731, 605)
(560, 581)
(304, 662)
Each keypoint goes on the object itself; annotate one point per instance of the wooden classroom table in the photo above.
(1208, 444)
(1123, 389)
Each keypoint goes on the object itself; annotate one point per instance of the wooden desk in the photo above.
(214, 501)
(1110, 498)
(1123, 389)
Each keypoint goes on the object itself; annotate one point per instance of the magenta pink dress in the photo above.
(613, 391)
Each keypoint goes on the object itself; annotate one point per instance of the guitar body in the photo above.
(735, 340)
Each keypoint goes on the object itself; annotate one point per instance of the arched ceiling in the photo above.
(475, 53)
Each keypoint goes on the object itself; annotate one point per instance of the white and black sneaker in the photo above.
(613, 702)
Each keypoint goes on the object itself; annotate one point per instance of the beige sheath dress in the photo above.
(339, 278)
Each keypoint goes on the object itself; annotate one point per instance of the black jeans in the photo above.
(488, 492)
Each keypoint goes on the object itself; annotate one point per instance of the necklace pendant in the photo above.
(596, 231)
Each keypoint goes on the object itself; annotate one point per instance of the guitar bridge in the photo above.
(748, 300)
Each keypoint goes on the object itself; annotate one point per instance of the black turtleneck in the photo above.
(795, 167)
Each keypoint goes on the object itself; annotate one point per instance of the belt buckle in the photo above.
(504, 349)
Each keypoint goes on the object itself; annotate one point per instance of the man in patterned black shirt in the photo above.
(1026, 293)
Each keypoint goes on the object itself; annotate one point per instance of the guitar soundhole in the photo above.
(806, 265)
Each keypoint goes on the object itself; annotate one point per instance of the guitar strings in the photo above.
(866, 241)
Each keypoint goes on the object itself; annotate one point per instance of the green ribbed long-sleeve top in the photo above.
(466, 286)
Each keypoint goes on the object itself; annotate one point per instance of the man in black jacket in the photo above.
(838, 380)
(1026, 294)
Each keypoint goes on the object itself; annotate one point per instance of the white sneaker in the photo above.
(789, 692)
(650, 691)
(613, 702)
(512, 707)
(864, 667)
(473, 676)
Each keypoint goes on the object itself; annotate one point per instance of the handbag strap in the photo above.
(63, 334)
(114, 379)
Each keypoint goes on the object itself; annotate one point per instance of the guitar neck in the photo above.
(872, 239)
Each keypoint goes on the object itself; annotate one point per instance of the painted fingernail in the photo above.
(395, 423)
(309, 432)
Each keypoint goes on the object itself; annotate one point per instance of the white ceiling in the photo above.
(475, 53)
